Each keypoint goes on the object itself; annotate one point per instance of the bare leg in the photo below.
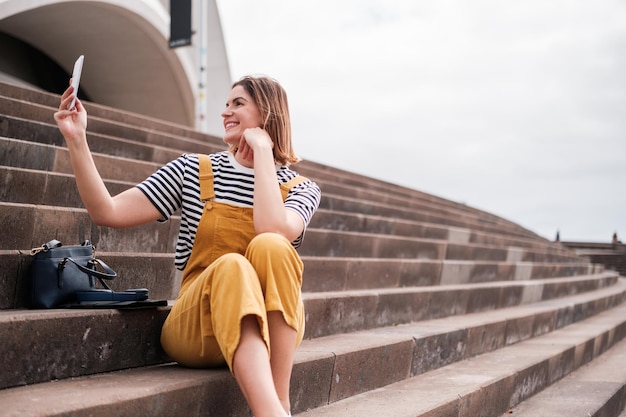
(251, 367)
(283, 341)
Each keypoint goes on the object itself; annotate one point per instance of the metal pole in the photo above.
(201, 100)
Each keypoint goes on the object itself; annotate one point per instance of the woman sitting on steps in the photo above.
(243, 214)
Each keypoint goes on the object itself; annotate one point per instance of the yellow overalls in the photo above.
(231, 273)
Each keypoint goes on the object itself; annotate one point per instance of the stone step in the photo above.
(40, 187)
(487, 385)
(162, 151)
(118, 164)
(25, 154)
(156, 270)
(48, 134)
(21, 99)
(349, 204)
(324, 242)
(340, 274)
(348, 181)
(36, 220)
(149, 133)
(520, 351)
(24, 98)
(58, 189)
(69, 343)
(35, 225)
(331, 313)
(597, 389)
(341, 220)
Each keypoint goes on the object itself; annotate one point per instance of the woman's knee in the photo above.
(229, 259)
(271, 250)
(271, 246)
(269, 242)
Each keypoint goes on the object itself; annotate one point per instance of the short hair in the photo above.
(271, 99)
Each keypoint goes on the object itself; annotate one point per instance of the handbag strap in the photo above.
(107, 274)
(47, 246)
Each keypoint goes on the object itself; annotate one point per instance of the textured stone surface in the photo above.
(493, 384)
(422, 286)
(43, 345)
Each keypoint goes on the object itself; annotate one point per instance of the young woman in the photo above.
(243, 214)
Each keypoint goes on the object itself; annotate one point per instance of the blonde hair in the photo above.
(271, 99)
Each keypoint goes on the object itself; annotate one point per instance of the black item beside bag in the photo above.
(65, 276)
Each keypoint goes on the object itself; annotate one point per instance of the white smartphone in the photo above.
(78, 69)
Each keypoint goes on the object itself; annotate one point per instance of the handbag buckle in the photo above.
(46, 247)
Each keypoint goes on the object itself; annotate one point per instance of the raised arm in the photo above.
(270, 213)
(129, 208)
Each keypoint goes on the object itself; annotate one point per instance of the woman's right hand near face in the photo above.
(71, 123)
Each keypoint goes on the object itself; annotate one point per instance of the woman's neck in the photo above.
(243, 162)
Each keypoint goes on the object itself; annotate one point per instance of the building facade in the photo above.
(128, 62)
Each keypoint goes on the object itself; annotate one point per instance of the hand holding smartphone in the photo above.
(78, 69)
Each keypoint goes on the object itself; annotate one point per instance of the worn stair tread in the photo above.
(596, 389)
(338, 177)
(319, 242)
(42, 113)
(148, 135)
(83, 396)
(44, 187)
(457, 385)
(398, 206)
(30, 96)
(155, 271)
(50, 100)
(150, 132)
(118, 331)
(345, 273)
(524, 321)
(345, 311)
(491, 383)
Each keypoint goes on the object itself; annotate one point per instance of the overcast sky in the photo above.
(514, 107)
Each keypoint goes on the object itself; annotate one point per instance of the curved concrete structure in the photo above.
(128, 63)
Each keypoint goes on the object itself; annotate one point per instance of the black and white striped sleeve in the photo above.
(304, 199)
(164, 188)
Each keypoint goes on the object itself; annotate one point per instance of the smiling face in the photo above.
(240, 114)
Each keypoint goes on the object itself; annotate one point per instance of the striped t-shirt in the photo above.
(176, 186)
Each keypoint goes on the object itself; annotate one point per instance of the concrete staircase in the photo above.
(611, 255)
(416, 305)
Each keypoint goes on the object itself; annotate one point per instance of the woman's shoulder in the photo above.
(286, 174)
(300, 186)
(192, 160)
(217, 159)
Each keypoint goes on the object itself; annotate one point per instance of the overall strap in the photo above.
(207, 192)
(286, 187)
(206, 178)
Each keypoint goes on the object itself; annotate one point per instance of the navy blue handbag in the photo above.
(58, 273)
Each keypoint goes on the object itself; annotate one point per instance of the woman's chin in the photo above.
(229, 140)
